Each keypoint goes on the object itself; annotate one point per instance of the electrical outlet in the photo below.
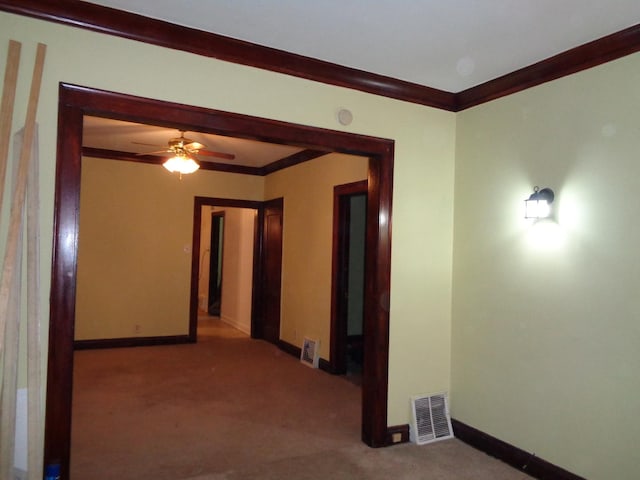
(137, 328)
(396, 437)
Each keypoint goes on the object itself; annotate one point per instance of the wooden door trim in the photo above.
(261, 317)
(74, 103)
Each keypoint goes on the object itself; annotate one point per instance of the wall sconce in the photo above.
(538, 205)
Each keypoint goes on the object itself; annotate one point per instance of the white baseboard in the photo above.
(235, 324)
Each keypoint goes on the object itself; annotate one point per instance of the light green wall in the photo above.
(546, 334)
(307, 190)
(423, 171)
(134, 254)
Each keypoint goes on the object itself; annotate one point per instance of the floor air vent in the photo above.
(431, 419)
(309, 353)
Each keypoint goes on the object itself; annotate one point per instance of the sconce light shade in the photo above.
(181, 164)
(538, 205)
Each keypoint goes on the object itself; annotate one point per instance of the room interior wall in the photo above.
(545, 316)
(307, 190)
(544, 343)
(134, 254)
(420, 297)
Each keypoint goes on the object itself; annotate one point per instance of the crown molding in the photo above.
(597, 52)
(156, 32)
(286, 162)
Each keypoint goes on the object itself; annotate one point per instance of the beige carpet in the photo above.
(234, 408)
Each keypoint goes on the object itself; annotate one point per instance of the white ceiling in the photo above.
(446, 44)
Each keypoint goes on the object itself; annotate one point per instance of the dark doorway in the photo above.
(272, 269)
(74, 103)
(347, 318)
(216, 254)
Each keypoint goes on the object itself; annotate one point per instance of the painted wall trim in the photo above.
(156, 32)
(524, 461)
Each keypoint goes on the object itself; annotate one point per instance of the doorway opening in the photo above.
(216, 257)
(74, 103)
(241, 308)
(348, 279)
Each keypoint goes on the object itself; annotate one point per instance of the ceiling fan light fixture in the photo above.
(181, 164)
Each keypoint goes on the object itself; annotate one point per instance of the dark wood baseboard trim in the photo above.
(397, 434)
(519, 459)
(289, 348)
(296, 351)
(131, 342)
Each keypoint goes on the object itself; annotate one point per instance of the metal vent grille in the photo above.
(431, 419)
(309, 353)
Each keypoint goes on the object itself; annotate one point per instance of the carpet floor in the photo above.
(234, 408)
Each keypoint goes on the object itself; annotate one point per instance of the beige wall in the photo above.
(307, 190)
(237, 267)
(546, 337)
(423, 170)
(134, 256)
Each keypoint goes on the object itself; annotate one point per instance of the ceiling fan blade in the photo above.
(147, 144)
(194, 146)
(209, 153)
(154, 153)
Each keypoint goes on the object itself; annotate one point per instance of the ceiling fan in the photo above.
(183, 153)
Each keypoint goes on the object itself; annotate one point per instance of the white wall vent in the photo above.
(310, 352)
(431, 419)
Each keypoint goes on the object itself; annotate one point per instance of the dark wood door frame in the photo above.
(271, 273)
(338, 333)
(77, 101)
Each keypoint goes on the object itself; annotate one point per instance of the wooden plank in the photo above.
(10, 283)
(6, 109)
(9, 383)
(35, 429)
(15, 222)
(8, 401)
